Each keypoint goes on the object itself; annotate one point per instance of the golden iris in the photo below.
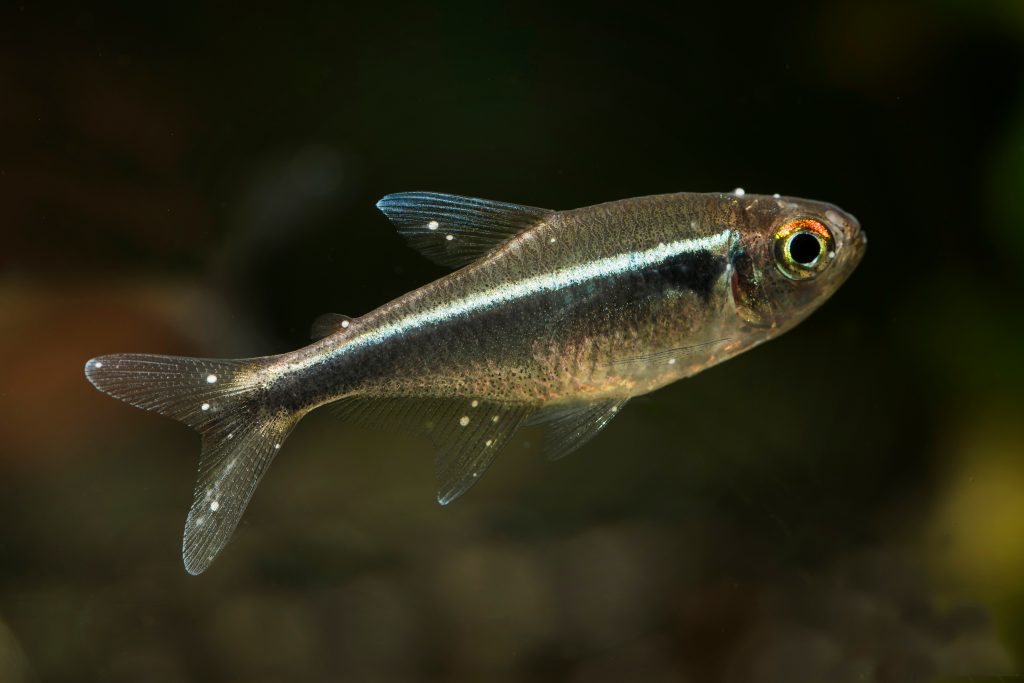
(803, 248)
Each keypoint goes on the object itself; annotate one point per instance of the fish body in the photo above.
(554, 318)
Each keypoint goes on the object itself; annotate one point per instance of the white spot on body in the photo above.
(345, 323)
(449, 237)
(464, 420)
(777, 196)
(494, 419)
(831, 254)
(552, 240)
(475, 403)
(205, 406)
(739, 192)
(433, 225)
(98, 364)
(215, 506)
(211, 379)
(671, 361)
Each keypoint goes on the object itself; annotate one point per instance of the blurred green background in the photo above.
(196, 179)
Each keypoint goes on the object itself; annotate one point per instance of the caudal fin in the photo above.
(224, 401)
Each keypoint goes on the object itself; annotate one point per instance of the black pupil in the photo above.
(804, 248)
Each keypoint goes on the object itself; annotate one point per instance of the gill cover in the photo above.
(747, 287)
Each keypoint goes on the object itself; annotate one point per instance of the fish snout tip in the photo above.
(849, 228)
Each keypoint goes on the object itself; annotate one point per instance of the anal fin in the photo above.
(468, 433)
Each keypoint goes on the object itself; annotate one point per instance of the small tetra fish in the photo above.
(555, 318)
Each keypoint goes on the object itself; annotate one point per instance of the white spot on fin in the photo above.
(433, 225)
(464, 420)
(215, 506)
(211, 379)
(205, 406)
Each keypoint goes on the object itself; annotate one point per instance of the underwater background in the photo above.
(845, 503)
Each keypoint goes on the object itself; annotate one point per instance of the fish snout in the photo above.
(852, 236)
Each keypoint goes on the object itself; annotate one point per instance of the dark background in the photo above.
(845, 503)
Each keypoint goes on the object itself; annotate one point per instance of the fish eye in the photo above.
(803, 248)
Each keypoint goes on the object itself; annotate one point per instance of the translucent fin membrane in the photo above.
(236, 454)
(222, 400)
(566, 429)
(195, 391)
(468, 433)
(454, 230)
(329, 323)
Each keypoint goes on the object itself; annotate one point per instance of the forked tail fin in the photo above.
(225, 401)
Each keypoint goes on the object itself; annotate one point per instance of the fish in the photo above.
(553, 319)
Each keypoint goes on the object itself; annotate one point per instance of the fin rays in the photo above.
(566, 429)
(453, 230)
(221, 400)
(234, 458)
(468, 433)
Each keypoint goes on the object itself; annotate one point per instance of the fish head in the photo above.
(788, 256)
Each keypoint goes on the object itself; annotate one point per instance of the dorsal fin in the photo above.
(453, 230)
(327, 324)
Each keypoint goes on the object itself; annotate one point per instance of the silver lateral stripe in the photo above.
(566, 277)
